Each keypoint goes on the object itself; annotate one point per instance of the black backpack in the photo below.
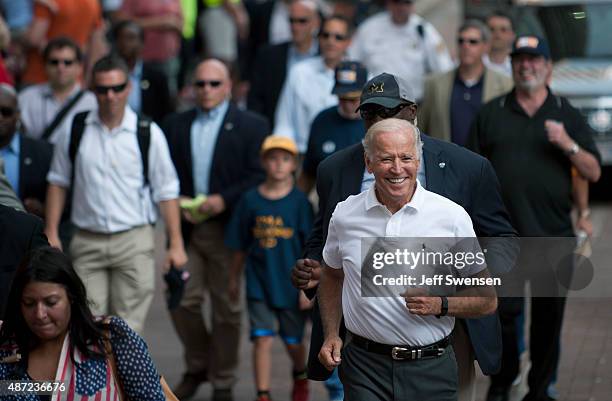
(143, 134)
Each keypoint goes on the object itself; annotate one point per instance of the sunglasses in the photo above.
(57, 61)
(337, 36)
(461, 41)
(103, 90)
(370, 112)
(300, 21)
(202, 83)
(403, 1)
(7, 112)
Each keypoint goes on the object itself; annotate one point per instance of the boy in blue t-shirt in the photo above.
(267, 232)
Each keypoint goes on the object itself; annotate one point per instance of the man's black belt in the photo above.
(402, 352)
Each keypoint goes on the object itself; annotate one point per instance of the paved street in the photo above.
(585, 372)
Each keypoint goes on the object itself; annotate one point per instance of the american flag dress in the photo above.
(87, 379)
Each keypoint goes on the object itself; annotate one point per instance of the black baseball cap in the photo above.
(350, 78)
(531, 44)
(388, 91)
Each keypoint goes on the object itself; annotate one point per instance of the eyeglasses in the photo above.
(202, 83)
(462, 41)
(403, 1)
(300, 21)
(103, 90)
(7, 112)
(57, 61)
(337, 36)
(370, 112)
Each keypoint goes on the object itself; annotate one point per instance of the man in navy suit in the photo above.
(215, 149)
(26, 160)
(447, 169)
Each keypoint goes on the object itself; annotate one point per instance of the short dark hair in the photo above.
(125, 24)
(60, 43)
(501, 14)
(50, 265)
(350, 27)
(109, 62)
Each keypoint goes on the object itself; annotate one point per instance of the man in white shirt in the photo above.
(308, 87)
(502, 36)
(113, 204)
(401, 43)
(41, 104)
(398, 345)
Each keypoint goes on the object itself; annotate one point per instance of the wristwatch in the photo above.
(443, 308)
(573, 149)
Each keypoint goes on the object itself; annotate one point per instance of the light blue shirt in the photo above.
(18, 14)
(10, 154)
(368, 178)
(134, 99)
(204, 133)
(294, 57)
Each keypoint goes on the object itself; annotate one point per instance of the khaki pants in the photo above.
(217, 350)
(118, 271)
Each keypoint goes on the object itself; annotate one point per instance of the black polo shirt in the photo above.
(534, 174)
(464, 105)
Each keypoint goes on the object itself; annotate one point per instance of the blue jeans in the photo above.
(334, 387)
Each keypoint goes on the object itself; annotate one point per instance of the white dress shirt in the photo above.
(383, 46)
(108, 193)
(306, 92)
(386, 319)
(38, 108)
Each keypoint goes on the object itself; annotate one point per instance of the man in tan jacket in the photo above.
(452, 99)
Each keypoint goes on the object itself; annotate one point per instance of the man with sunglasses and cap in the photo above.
(534, 139)
(215, 148)
(337, 127)
(446, 169)
(402, 43)
(114, 199)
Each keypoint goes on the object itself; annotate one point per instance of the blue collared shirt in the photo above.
(294, 57)
(10, 154)
(204, 133)
(135, 98)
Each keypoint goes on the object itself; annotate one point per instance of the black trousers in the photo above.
(544, 338)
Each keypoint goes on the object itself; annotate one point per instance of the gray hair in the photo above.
(392, 125)
(485, 32)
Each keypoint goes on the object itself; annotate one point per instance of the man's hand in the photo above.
(557, 135)
(329, 355)
(185, 213)
(233, 287)
(306, 274)
(585, 224)
(54, 239)
(175, 256)
(34, 206)
(213, 205)
(419, 302)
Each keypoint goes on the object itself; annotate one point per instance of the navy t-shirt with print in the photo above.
(272, 233)
(329, 133)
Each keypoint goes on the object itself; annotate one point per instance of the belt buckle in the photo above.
(440, 351)
(395, 351)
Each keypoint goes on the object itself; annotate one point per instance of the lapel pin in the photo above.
(229, 126)
(441, 164)
(27, 161)
(144, 84)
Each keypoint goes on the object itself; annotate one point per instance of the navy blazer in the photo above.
(235, 166)
(34, 162)
(19, 232)
(451, 171)
(269, 73)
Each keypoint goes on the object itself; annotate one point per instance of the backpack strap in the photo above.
(143, 134)
(76, 134)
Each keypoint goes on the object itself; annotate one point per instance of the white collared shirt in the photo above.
(387, 320)
(108, 193)
(306, 92)
(38, 108)
(383, 46)
(504, 68)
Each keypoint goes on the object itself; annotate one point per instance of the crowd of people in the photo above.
(270, 137)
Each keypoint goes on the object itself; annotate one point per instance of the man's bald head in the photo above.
(212, 83)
